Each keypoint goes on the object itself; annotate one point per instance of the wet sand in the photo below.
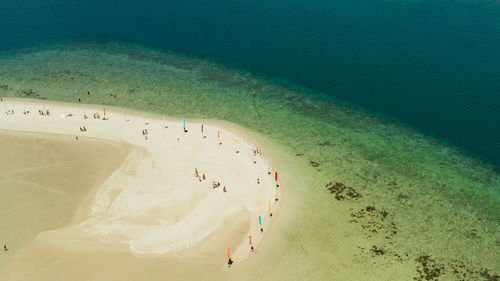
(43, 180)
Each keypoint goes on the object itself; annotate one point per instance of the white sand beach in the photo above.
(153, 205)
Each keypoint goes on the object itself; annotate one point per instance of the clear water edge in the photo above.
(443, 203)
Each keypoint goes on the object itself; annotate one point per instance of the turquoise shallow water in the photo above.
(431, 65)
(416, 207)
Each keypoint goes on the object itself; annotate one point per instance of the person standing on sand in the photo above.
(5, 249)
(229, 262)
(252, 249)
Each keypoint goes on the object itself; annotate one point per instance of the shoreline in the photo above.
(440, 202)
(58, 109)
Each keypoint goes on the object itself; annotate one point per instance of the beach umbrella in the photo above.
(202, 128)
(228, 253)
(267, 162)
(260, 221)
(104, 112)
(269, 206)
(250, 240)
(276, 176)
(236, 144)
(184, 124)
(218, 134)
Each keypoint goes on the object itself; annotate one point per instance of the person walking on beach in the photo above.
(5, 249)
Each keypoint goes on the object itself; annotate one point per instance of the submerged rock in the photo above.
(30, 93)
(342, 192)
(428, 269)
(377, 251)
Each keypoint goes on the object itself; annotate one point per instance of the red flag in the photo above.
(276, 176)
(218, 134)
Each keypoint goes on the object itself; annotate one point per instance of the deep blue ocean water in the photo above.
(430, 65)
